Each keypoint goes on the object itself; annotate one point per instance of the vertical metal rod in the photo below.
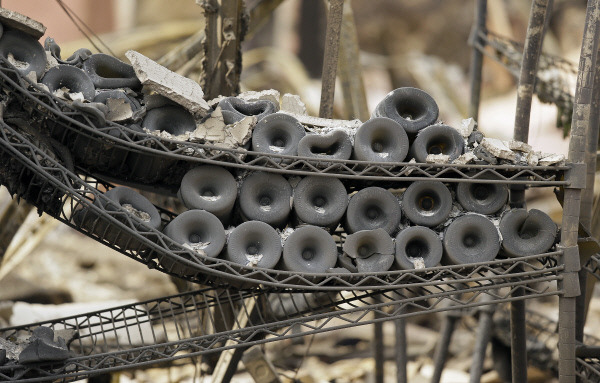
(518, 345)
(330, 60)
(571, 208)
(378, 351)
(441, 350)
(484, 333)
(531, 54)
(587, 198)
(400, 348)
(518, 351)
(350, 72)
(477, 57)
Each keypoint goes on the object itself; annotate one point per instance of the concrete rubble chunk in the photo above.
(498, 148)
(325, 122)
(520, 146)
(293, 104)
(21, 22)
(466, 127)
(268, 95)
(551, 159)
(118, 109)
(437, 159)
(159, 79)
(214, 131)
(533, 158)
(215, 101)
(465, 158)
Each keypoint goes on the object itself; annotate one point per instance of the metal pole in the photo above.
(570, 222)
(378, 350)
(350, 72)
(441, 350)
(587, 198)
(330, 61)
(531, 54)
(400, 347)
(484, 333)
(477, 57)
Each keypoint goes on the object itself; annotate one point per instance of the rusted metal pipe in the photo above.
(477, 57)
(330, 59)
(529, 64)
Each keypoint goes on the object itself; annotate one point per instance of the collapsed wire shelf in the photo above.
(97, 147)
(187, 325)
(554, 78)
(544, 330)
(45, 183)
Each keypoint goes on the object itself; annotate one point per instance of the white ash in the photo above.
(418, 262)
(139, 214)
(467, 126)
(253, 259)
(198, 247)
(285, 234)
(17, 63)
(292, 103)
(437, 159)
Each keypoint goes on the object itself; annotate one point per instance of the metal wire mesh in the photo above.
(124, 151)
(187, 325)
(62, 194)
(555, 76)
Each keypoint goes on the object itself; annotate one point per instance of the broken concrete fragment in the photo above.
(269, 95)
(118, 109)
(533, 158)
(325, 122)
(213, 129)
(215, 101)
(437, 159)
(465, 158)
(520, 146)
(551, 159)
(293, 104)
(240, 133)
(466, 127)
(498, 148)
(159, 79)
(21, 22)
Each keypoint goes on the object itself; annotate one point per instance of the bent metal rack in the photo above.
(265, 303)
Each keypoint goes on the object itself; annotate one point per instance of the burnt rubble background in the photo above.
(68, 273)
